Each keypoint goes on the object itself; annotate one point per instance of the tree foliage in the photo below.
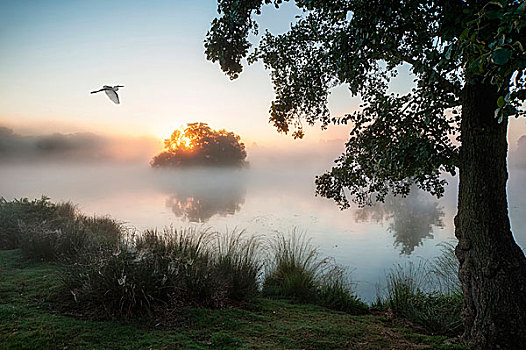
(494, 40)
(397, 139)
(200, 145)
(465, 56)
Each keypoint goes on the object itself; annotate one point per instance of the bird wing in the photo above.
(112, 95)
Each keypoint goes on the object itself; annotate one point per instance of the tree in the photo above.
(199, 144)
(468, 61)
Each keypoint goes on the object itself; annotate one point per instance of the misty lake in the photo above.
(266, 198)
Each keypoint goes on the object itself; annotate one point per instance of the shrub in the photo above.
(52, 231)
(21, 210)
(167, 270)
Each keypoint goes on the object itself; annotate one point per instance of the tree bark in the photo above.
(492, 266)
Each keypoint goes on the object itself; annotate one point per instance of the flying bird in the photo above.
(111, 92)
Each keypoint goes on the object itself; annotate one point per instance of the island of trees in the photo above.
(200, 145)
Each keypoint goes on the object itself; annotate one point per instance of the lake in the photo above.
(268, 197)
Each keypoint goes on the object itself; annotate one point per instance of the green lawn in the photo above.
(29, 320)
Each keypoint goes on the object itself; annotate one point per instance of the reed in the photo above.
(295, 270)
(427, 293)
(237, 264)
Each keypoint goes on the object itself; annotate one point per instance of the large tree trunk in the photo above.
(492, 266)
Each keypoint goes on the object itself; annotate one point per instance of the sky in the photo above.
(55, 52)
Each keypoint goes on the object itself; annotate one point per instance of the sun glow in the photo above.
(179, 140)
(186, 142)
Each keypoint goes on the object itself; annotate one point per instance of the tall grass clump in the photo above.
(428, 293)
(444, 270)
(167, 270)
(295, 270)
(53, 231)
(68, 239)
(104, 229)
(404, 282)
(143, 272)
(336, 292)
(17, 211)
(237, 264)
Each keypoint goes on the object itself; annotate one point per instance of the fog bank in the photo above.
(74, 147)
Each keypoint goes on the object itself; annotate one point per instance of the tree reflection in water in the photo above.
(411, 218)
(198, 195)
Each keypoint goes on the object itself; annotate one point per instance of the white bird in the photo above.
(111, 92)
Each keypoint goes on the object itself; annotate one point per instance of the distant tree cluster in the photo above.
(77, 146)
(200, 145)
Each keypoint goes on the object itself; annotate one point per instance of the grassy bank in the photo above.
(31, 318)
(118, 273)
(69, 279)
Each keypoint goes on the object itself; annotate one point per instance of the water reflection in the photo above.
(411, 219)
(198, 195)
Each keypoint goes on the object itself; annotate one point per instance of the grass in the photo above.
(444, 270)
(12, 213)
(427, 294)
(102, 272)
(295, 270)
(47, 231)
(29, 320)
(237, 264)
(166, 270)
(119, 274)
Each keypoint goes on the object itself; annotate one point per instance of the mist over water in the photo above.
(274, 194)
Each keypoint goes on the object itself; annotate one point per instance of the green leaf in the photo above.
(492, 14)
(465, 34)
(477, 66)
(501, 56)
(501, 102)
